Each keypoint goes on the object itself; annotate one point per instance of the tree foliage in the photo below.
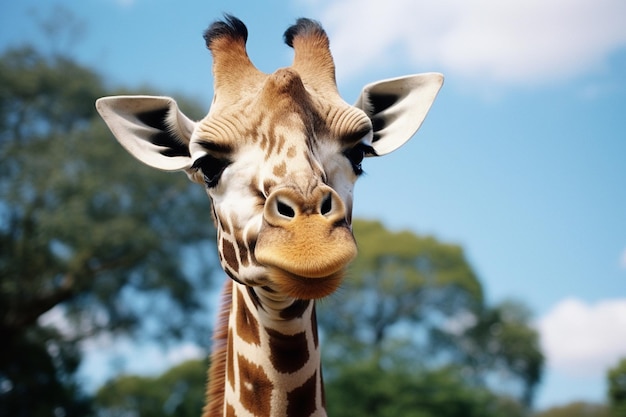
(84, 228)
(616, 378)
(576, 409)
(36, 375)
(177, 392)
(399, 281)
(497, 344)
(363, 390)
(414, 303)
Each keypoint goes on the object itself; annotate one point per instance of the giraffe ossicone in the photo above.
(278, 155)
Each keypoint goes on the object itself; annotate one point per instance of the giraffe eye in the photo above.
(356, 154)
(211, 169)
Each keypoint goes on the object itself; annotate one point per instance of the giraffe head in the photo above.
(278, 154)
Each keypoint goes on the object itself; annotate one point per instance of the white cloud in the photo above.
(511, 42)
(581, 339)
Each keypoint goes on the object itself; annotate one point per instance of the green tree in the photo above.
(414, 303)
(576, 409)
(399, 281)
(499, 341)
(86, 230)
(364, 390)
(616, 377)
(177, 392)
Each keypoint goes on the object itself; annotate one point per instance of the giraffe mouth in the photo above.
(305, 288)
(306, 259)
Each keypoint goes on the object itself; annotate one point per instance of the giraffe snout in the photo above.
(305, 241)
(286, 206)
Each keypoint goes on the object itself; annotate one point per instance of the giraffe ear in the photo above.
(152, 129)
(397, 107)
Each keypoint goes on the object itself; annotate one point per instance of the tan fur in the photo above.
(314, 62)
(279, 154)
(307, 247)
(214, 406)
(235, 76)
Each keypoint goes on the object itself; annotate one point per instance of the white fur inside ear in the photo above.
(179, 127)
(397, 121)
(143, 141)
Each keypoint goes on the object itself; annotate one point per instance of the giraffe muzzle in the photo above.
(305, 241)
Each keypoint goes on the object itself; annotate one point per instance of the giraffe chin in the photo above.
(309, 247)
(304, 288)
(305, 257)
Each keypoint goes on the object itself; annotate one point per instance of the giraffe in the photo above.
(279, 155)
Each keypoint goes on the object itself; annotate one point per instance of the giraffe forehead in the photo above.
(263, 141)
(283, 110)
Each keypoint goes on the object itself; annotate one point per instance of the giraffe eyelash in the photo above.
(211, 168)
(356, 155)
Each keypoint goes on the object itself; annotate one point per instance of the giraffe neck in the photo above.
(270, 357)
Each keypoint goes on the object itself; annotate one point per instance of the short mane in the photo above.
(217, 371)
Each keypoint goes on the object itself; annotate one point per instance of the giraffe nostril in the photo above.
(285, 206)
(327, 205)
(285, 209)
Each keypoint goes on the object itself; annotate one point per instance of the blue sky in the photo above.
(522, 159)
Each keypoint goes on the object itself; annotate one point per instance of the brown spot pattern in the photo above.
(280, 170)
(301, 401)
(255, 388)
(295, 310)
(289, 353)
(264, 141)
(243, 253)
(230, 255)
(247, 325)
(280, 144)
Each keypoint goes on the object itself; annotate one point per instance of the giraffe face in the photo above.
(281, 184)
(279, 154)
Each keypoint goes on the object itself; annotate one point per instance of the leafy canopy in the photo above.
(413, 303)
(177, 392)
(85, 230)
(616, 378)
